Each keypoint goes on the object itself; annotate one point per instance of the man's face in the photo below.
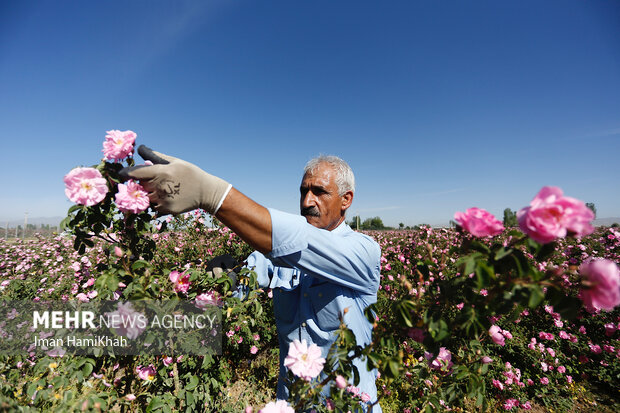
(320, 202)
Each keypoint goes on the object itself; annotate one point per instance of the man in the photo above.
(316, 265)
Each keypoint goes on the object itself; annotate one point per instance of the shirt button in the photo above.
(305, 294)
(320, 295)
(303, 324)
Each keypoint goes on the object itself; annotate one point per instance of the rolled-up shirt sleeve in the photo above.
(346, 258)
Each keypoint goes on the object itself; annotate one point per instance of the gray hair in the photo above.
(345, 180)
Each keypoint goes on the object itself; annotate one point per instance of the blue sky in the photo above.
(438, 106)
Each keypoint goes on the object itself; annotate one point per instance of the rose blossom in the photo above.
(486, 360)
(552, 215)
(510, 403)
(118, 145)
(303, 360)
(126, 321)
(281, 406)
(479, 222)
(146, 373)
(180, 281)
(131, 197)
(341, 382)
(209, 298)
(496, 335)
(85, 186)
(444, 359)
(254, 350)
(603, 278)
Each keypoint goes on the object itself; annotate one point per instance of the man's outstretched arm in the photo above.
(249, 220)
(177, 186)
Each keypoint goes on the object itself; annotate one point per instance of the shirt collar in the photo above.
(342, 228)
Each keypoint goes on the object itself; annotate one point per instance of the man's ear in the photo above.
(347, 200)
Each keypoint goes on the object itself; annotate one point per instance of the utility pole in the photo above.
(25, 224)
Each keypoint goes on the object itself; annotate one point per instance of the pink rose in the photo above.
(510, 403)
(552, 215)
(355, 391)
(85, 186)
(602, 278)
(118, 145)
(254, 350)
(479, 222)
(303, 360)
(281, 406)
(131, 197)
(206, 299)
(496, 335)
(443, 360)
(146, 373)
(486, 360)
(341, 382)
(180, 280)
(126, 321)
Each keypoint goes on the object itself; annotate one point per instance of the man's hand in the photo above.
(177, 186)
(224, 263)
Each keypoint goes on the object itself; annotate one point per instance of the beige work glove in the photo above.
(177, 186)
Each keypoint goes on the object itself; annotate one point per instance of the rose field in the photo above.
(454, 327)
(476, 317)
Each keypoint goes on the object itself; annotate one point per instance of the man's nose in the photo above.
(308, 199)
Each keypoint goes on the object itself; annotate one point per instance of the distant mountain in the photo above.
(605, 222)
(51, 221)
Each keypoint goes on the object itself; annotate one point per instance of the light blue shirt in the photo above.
(315, 275)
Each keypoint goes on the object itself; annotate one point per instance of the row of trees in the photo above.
(367, 224)
(31, 229)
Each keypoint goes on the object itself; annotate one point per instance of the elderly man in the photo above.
(316, 265)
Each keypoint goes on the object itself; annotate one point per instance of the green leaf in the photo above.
(536, 296)
(545, 251)
(139, 264)
(65, 223)
(502, 252)
(189, 398)
(484, 274)
(156, 403)
(394, 368)
(404, 309)
(193, 382)
(112, 283)
(478, 246)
